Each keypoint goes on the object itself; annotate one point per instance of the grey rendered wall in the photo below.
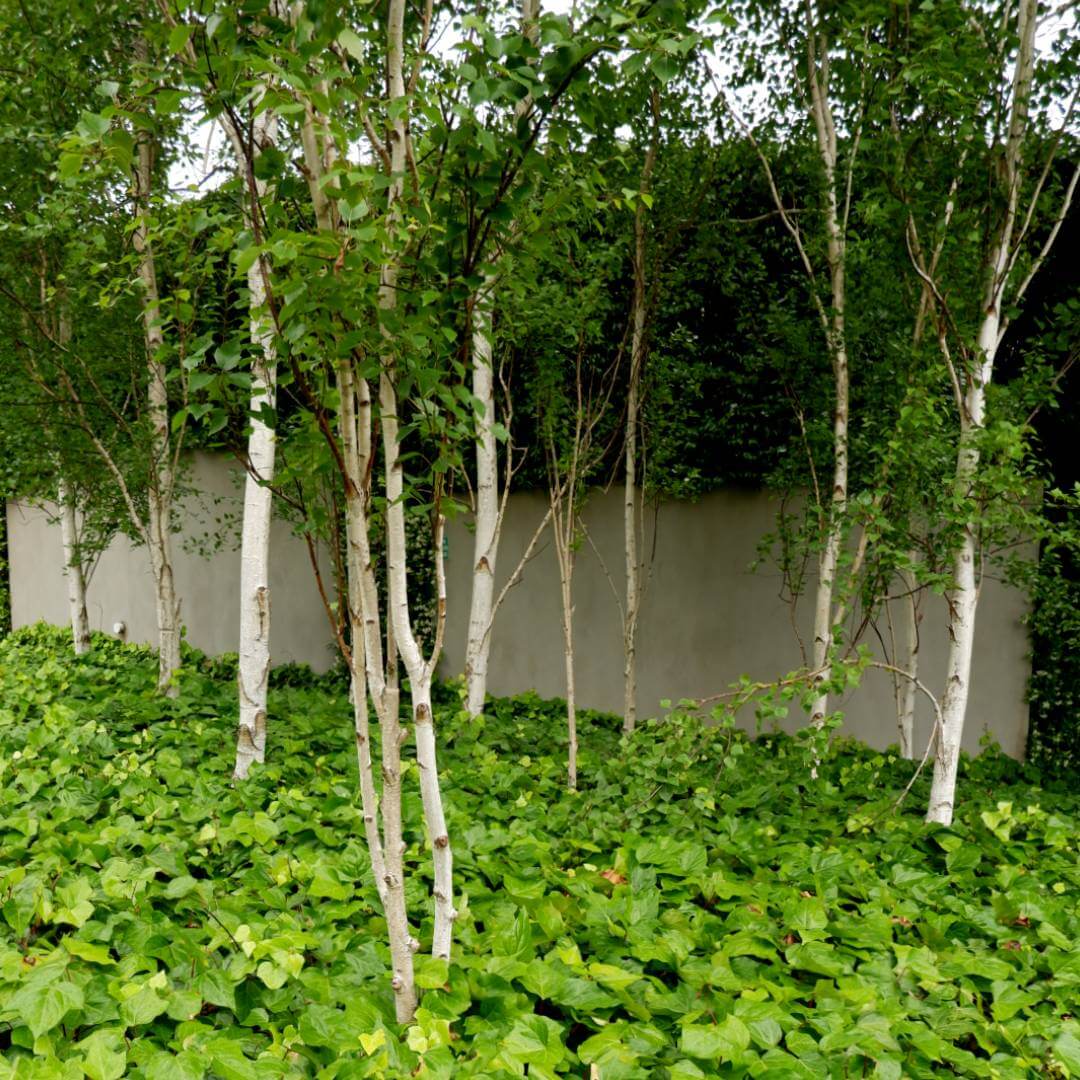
(708, 618)
(208, 581)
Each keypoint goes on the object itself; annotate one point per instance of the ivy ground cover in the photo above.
(700, 908)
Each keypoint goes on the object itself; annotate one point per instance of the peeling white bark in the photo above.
(908, 660)
(253, 671)
(836, 248)
(488, 511)
(162, 468)
(487, 517)
(963, 596)
(70, 533)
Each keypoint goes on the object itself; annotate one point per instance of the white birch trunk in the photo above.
(386, 848)
(963, 596)
(420, 671)
(488, 513)
(836, 246)
(567, 593)
(70, 532)
(253, 672)
(906, 688)
(564, 524)
(159, 496)
(486, 537)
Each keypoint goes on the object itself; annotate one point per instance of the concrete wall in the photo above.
(207, 566)
(707, 618)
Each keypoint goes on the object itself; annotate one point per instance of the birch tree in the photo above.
(811, 46)
(489, 508)
(633, 494)
(253, 670)
(1016, 208)
(158, 528)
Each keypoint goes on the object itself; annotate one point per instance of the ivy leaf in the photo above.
(142, 1007)
(90, 951)
(104, 1054)
(1067, 1050)
(41, 1006)
(725, 1041)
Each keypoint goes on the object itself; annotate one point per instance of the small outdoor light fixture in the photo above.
(120, 630)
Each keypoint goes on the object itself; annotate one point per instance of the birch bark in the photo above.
(963, 595)
(836, 336)
(371, 671)
(487, 516)
(70, 533)
(253, 671)
(421, 670)
(906, 688)
(162, 478)
(489, 510)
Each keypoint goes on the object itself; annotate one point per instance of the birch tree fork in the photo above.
(421, 670)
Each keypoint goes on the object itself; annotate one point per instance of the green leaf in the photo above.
(42, 1005)
(352, 43)
(431, 973)
(88, 950)
(69, 165)
(245, 259)
(104, 1054)
(94, 125)
(1067, 1050)
(179, 36)
(325, 882)
(187, 1065)
(216, 988)
(725, 1041)
(180, 886)
(144, 1006)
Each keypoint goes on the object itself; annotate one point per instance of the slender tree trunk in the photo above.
(836, 247)
(906, 690)
(253, 671)
(166, 601)
(963, 596)
(159, 495)
(486, 537)
(431, 797)
(633, 506)
(369, 670)
(631, 517)
(488, 515)
(567, 594)
(563, 524)
(70, 532)
(420, 670)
